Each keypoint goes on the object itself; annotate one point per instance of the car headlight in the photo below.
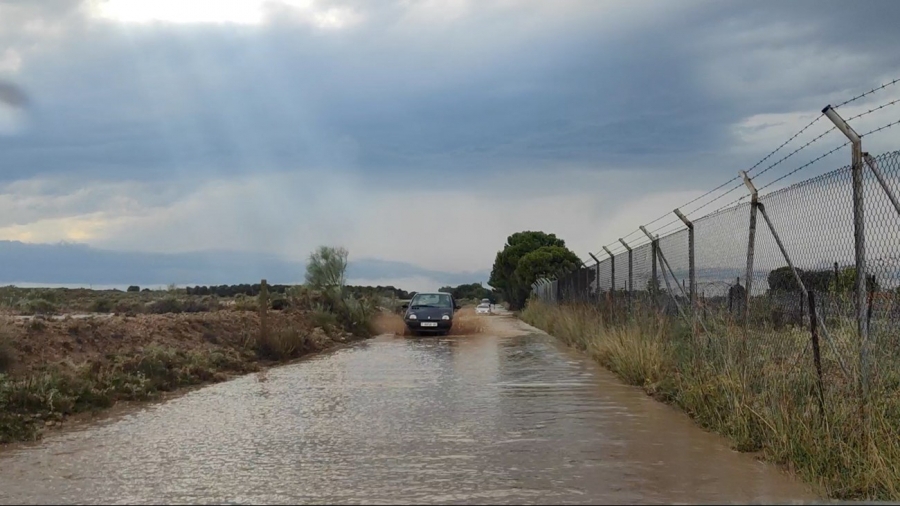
(412, 317)
(445, 317)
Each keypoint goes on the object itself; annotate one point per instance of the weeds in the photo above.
(281, 343)
(7, 356)
(759, 399)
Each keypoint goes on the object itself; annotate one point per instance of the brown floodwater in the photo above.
(508, 416)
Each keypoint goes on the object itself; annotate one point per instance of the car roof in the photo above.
(432, 293)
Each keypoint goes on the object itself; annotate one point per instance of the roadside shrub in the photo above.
(279, 304)
(245, 303)
(166, 305)
(281, 343)
(101, 306)
(129, 307)
(356, 315)
(38, 306)
(200, 305)
(325, 319)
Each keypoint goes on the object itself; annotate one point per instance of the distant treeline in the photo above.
(253, 290)
(473, 291)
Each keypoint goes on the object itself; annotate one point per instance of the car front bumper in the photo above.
(416, 325)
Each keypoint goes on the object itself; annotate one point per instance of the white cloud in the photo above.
(10, 61)
(454, 229)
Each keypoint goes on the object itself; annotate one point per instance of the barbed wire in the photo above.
(870, 111)
(873, 90)
(805, 165)
(815, 120)
(730, 204)
(785, 143)
(889, 125)
(733, 188)
(655, 232)
(794, 152)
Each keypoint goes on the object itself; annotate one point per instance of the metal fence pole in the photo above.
(597, 276)
(666, 277)
(612, 272)
(654, 280)
(751, 246)
(859, 242)
(692, 272)
(630, 286)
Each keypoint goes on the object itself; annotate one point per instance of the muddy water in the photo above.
(498, 418)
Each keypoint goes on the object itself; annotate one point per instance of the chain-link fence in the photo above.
(757, 266)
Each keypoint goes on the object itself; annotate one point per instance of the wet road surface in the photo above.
(506, 417)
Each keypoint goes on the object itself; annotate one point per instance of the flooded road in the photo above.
(506, 417)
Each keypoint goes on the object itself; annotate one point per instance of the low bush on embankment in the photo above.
(762, 399)
(53, 368)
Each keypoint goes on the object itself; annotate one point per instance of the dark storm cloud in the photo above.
(495, 89)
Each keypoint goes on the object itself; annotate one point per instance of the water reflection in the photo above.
(431, 420)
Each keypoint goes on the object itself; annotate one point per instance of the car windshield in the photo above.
(441, 300)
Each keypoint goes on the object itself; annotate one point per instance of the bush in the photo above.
(281, 343)
(38, 306)
(355, 315)
(134, 288)
(129, 307)
(101, 306)
(245, 303)
(166, 305)
(201, 305)
(280, 304)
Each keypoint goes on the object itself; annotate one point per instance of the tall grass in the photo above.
(764, 397)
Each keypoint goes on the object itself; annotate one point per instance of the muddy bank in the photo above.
(53, 369)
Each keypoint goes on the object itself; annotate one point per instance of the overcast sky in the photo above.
(422, 132)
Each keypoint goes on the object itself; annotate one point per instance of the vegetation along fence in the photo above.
(802, 282)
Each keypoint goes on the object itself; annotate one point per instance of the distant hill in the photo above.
(79, 264)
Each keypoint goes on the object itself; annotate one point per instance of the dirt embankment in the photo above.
(52, 369)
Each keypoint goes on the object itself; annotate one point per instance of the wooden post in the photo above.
(263, 310)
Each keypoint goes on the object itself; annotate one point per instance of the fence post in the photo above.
(263, 310)
(654, 280)
(751, 247)
(596, 276)
(666, 278)
(692, 273)
(817, 355)
(859, 242)
(630, 286)
(612, 275)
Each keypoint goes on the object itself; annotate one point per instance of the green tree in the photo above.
(545, 262)
(515, 287)
(783, 280)
(326, 268)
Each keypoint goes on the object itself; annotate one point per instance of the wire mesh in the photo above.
(803, 242)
